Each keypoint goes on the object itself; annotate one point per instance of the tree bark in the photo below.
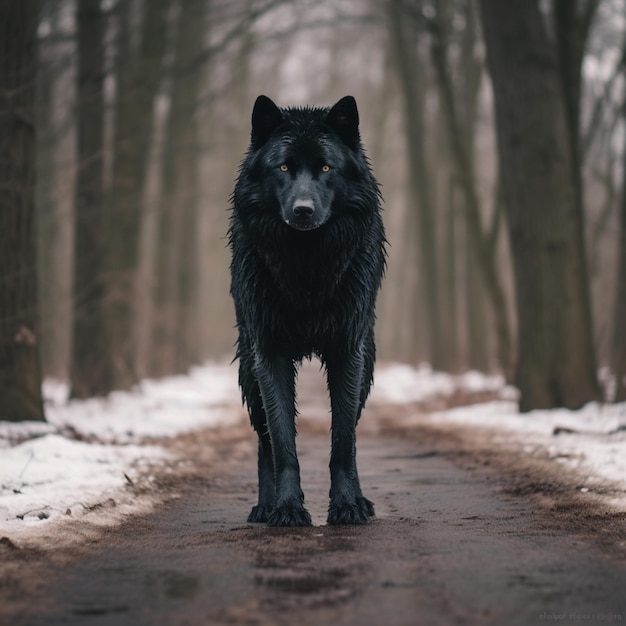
(478, 242)
(56, 188)
(91, 363)
(572, 21)
(137, 85)
(618, 347)
(470, 75)
(20, 372)
(179, 197)
(404, 44)
(556, 366)
(477, 331)
(148, 252)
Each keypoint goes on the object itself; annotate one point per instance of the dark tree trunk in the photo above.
(478, 242)
(20, 372)
(477, 332)
(618, 347)
(177, 280)
(556, 366)
(91, 364)
(449, 282)
(469, 78)
(572, 21)
(137, 85)
(403, 40)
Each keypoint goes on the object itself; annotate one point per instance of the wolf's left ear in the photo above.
(266, 118)
(343, 118)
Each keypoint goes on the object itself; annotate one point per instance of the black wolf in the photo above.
(308, 256)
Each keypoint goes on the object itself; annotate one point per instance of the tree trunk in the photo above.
(179, 195)
(572, 21)
(148, 251)
(618, 347)
(477, 333)
(91, 363)
(137, 86)
(449, 282)
(478, 243)
(57, 61)
(556, 366)
(20, 372)
(470, 72)
(404, 44)
(44, 201)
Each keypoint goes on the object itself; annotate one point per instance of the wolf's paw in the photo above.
(356, 512)
(259, 514)
(289, 515)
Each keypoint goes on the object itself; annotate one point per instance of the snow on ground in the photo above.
(51, 478)
(592, 440)
(398, 383)
(91, 451)
(206, 396)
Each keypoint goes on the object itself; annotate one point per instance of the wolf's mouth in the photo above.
(303, 224)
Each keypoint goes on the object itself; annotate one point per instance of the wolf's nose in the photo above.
(303, 210)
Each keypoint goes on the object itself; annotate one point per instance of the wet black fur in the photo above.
(300, 293)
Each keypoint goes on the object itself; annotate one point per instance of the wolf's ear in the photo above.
(266, 118)
(343, 118)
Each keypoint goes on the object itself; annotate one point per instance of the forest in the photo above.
(496, 129)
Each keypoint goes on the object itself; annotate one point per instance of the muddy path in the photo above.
(457, 540)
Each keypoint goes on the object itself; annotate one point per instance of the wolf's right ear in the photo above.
(266, 118)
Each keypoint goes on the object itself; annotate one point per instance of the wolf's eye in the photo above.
(325, 168)
(284, 168)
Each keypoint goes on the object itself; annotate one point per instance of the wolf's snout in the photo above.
(303, 215)
(303, 210)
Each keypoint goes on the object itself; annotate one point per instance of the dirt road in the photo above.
(455, 541)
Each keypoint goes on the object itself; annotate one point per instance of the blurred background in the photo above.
(143, 116)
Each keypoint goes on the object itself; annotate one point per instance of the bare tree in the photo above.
(556, 364)
(56, 182)
(180, 191)
(618, 345)
(572, 21)
(91, 364)
(20, 377)
(138, 77)
(480, 244)
(412, 79)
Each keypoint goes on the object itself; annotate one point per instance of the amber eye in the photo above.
(284, 168)
(325, 168)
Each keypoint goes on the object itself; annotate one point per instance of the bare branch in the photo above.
(599, 108)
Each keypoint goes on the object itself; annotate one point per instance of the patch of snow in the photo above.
(90, 451)
(591, 440)
(51, 478)
(207, 396)
(398, 383)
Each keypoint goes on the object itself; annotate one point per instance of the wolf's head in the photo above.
(303, 157)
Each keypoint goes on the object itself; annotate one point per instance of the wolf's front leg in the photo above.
(345, 381)
(252, 395)
(276, 378)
